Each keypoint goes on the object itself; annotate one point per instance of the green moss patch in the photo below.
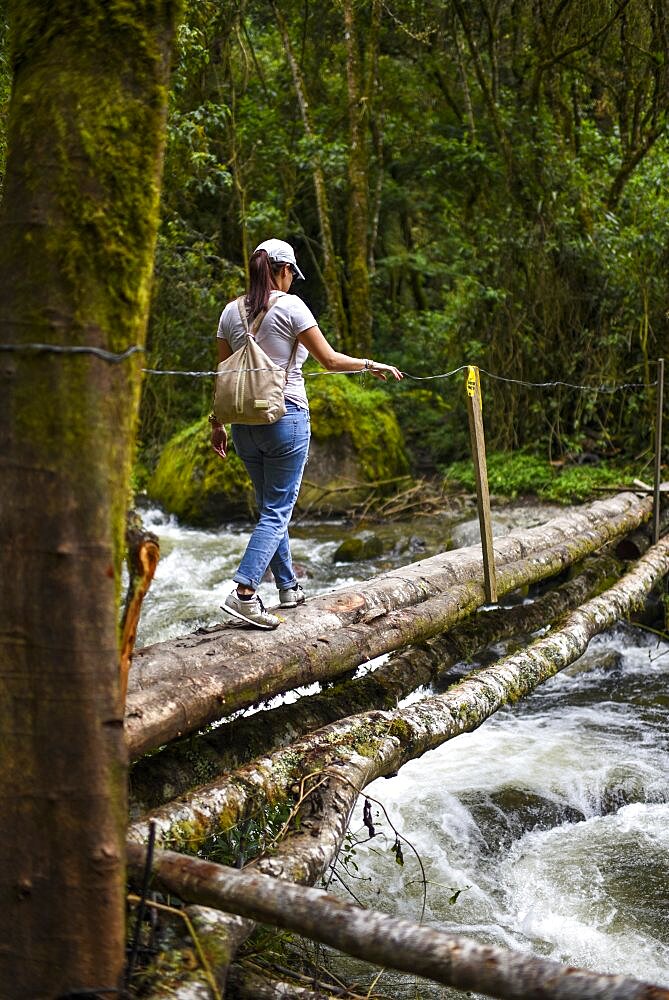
(192, 482)
(355, 439)
(511, 474)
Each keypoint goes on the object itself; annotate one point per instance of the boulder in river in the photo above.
(358, 547)
(356, 441)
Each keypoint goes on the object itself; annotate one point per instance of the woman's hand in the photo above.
(379, 370)
(219, 437)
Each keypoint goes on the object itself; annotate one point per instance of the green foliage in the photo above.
(353, 429)
(522, 225)
(192, 482)
(247, 839)
(515, 474)
(341, 408)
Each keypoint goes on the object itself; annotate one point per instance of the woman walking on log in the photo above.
(275, 454)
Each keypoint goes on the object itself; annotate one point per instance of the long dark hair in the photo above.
(261, 283)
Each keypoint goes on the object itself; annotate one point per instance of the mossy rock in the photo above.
(192, 482)
(357, 548)
(355, 439)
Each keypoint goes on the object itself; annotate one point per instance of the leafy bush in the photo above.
(511, 474)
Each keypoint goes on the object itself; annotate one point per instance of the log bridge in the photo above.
(318, 754)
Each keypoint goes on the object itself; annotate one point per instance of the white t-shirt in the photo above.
(285, 321)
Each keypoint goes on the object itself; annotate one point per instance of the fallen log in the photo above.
(183, 685)
(305, 854)
(383, 741)
(187, 763)
(375, 937)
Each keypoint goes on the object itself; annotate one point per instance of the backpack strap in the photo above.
(258, 321)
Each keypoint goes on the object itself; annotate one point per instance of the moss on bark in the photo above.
(77, 230)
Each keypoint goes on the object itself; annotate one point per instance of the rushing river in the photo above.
(550, 823)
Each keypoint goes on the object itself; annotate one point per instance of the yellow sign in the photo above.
(472, 381)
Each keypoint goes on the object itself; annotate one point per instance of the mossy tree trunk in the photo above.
(77, 232)
(331, 274)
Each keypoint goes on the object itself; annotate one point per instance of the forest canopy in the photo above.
(464, 183)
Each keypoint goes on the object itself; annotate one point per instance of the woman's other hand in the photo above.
(219, 438)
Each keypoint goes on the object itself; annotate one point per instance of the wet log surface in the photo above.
(178, 687)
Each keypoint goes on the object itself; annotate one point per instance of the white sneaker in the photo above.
(291, 597)
(252, 612)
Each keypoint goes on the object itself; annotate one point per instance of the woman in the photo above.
(275, 454)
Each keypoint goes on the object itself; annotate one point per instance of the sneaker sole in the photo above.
(294, 604)
(248, 621)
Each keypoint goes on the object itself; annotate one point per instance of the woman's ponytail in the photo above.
(261, 283)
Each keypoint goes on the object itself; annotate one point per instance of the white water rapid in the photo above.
(550, 822)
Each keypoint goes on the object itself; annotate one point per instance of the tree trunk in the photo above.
(185, 764)
(358, 220)
(180, 686)
(361, 748)
(77, 232)
(331, 274)
(387, 941)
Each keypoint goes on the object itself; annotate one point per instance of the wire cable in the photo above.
(98, 352)
(114, 358)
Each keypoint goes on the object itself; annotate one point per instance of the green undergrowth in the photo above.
(238, 844)
(512, 474)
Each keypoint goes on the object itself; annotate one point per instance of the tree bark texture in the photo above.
(387, 941)
(180, 686)
(356, 750)
(184, 764)
(77, 232)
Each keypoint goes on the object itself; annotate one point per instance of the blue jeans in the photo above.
(274, 456)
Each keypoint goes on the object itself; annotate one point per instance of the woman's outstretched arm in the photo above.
(335, 361)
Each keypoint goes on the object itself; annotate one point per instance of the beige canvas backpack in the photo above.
(249, 385)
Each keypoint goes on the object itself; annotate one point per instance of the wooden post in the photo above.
(475, 411)
(659, 396)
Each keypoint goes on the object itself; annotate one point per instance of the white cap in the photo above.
(281, 252)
